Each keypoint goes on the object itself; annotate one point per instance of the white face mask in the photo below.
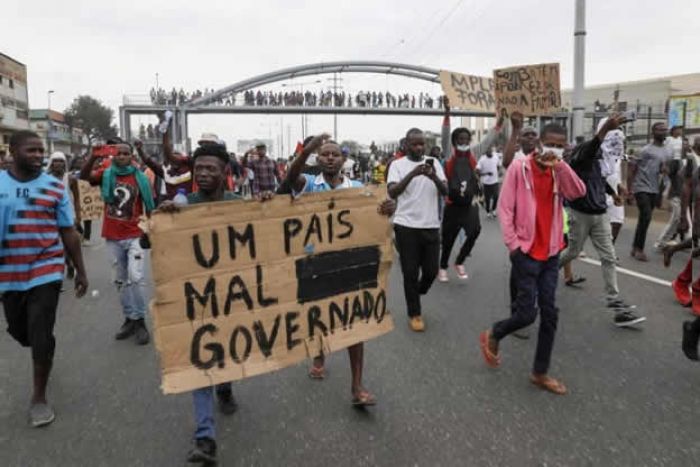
(463, 147)
(559, 152)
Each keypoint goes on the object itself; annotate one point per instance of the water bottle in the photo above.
(180, 198)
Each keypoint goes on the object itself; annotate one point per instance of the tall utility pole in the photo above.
(579, 68)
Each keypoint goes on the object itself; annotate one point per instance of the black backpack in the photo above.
(462, 185)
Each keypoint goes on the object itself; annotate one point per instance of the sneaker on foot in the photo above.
(417, 324)
(620, 304)
(442, 276)
(142, 336)
(204, 451)
(461, 273)
(41, 414)
(690, 341)
(127, 330)
(627, 318)
(227, 403)
(682, 292)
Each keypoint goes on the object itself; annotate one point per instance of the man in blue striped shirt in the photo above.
(36, 223)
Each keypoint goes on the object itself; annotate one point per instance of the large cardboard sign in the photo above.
(243, 288)
(529, 89)
(468, 92)
(90, 203)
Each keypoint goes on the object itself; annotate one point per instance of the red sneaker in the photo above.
(696, 303)
(682, 292)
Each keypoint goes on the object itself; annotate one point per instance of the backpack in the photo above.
(462, 184)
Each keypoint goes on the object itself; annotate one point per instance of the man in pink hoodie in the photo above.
(530, 213)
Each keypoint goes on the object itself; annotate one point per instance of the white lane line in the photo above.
(629, 272)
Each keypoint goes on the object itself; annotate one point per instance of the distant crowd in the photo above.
(370, 99)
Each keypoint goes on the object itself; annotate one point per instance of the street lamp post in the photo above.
(48, 121)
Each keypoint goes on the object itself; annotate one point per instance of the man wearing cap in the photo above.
(265, 175)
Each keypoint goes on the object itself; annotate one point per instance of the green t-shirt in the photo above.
(196, 198)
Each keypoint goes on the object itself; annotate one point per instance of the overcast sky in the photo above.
(111, 48)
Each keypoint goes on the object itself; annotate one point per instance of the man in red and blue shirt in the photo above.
(127, 195)
(36, 224)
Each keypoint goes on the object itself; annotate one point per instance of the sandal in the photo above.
(492, 360)
(574, 281)
(363, 399)
(548, 384)
(316, 372)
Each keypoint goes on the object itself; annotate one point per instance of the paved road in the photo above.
(633, 397)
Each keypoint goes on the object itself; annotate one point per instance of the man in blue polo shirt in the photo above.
(331, 159)
(36, 224)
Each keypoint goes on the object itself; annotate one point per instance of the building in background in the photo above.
(56, 133)
(14, 100)
(653, 100)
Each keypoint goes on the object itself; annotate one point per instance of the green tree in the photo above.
(91, 116)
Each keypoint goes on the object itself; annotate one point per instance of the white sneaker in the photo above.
(461, 273)
(442, 276)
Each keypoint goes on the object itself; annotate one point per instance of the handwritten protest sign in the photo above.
(468, 92)
(529, 89)
(243, 288)
(90, 203)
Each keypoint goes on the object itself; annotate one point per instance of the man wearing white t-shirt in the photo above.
(487, 167)
(416, 183)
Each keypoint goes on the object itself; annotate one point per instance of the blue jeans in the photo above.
(536, 282)
(128, 267)
(203, 399)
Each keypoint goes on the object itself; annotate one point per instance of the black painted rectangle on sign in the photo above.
(335, 272)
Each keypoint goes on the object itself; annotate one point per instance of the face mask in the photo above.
(559, 152)
(463, 147)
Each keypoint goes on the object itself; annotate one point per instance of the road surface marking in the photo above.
(629, 272)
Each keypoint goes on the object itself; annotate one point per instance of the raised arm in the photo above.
(446, 142)
(151, 163)
(86, 173)
(489, 139)
(294, 178)
(516, 122)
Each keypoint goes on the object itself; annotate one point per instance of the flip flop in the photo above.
(364, 399)
(549, 384)
(491, 359)
(574, 281)
(317, 372)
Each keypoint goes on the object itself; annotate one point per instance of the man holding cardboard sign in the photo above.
(264, 287)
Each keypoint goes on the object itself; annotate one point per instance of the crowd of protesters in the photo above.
(549, 197)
